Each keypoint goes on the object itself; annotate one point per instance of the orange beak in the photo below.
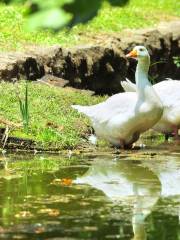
(132, 54)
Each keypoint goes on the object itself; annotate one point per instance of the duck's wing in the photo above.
(121, 103)
(128, 86)
(169, 92)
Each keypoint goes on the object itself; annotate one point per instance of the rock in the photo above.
(99, 67)
(52, 80)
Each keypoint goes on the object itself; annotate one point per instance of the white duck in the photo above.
(121, 118)
(169, 93)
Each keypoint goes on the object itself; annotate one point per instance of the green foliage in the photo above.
(53, 18)
(57, 14)
(136, 14)
(177, 61)
(82, 11)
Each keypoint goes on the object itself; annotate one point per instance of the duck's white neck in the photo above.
(142, 74)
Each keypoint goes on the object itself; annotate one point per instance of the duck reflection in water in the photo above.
(128, 182)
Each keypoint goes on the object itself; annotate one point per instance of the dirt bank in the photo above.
(99, 67)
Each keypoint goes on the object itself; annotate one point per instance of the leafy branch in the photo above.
(176, 61)
(56, 14)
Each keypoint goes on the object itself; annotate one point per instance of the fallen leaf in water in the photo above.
(50, 212)
(90, 228)
(18, 236)
(24, 214)
(84, 203)
(66, 181)
(59, 199)
(63, 181)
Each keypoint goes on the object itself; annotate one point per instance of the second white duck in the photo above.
(169, 93)
(124, 116)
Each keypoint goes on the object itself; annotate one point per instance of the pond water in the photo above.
(129, 195)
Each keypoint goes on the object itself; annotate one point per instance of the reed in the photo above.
(24, 107)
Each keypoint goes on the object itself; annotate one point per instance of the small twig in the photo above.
(5, 136)
(9, 124)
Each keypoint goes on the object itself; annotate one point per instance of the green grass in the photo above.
(136, 14)
(53, 123)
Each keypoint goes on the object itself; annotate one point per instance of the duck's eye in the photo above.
(141, 49)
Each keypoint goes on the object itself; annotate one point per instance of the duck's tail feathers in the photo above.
(82, 109)
(128, 86)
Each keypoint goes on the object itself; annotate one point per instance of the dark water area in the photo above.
(131, 195)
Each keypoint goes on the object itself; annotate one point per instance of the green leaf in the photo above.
(55, 14)
(52, 18)
(82, 10)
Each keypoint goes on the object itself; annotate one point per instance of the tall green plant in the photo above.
(24, 107)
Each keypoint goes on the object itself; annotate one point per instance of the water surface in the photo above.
(131, 195)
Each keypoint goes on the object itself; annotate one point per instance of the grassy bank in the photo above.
(136, 14)
(53, 123)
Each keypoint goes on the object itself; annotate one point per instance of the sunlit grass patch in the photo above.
(52, 121)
